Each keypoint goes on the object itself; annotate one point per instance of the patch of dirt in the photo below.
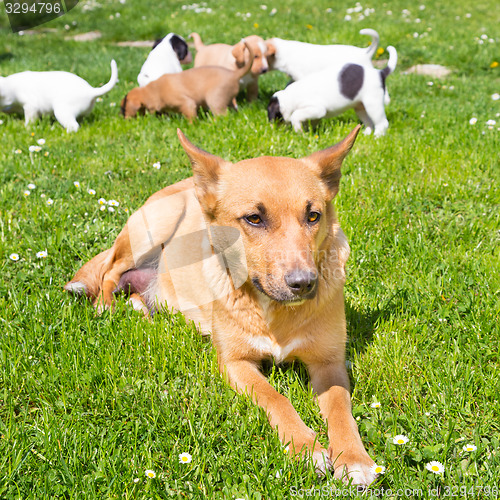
(435, 70)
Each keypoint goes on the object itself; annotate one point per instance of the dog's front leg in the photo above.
(246, 378)
(350, 459)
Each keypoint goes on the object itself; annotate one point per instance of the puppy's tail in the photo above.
(112, 81)
(241, 72)
(88, 279)
(391, 64)
(370, 51)
(198, 44)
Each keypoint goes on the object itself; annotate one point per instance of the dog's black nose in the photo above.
(301, 282)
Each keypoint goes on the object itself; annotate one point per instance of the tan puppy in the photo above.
(254, 254)
(233, 57)
(210, 87)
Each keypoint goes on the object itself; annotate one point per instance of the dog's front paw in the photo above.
(355, 469)
(321, 462)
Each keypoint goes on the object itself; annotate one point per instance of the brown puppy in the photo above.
(253, 253)
(210, 87)
(233, 57)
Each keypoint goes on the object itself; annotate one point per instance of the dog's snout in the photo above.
(301, 282)
(264, 70)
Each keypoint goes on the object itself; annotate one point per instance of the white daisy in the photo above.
(495, 96)
(76, 184)
(26, 192)
(113, 203)
(185, 458)
(400, 439)
(34, 149)
(469, 447)
(111, 209)
(91, 191)
(18, 151)
(150, 473)
(41, 142)
(101, 201)
(435, 467)
(14, 257)
(42, 255)
(377, 469)
(157, 165)
(31, 186)
(50, 201)
(473, 121)
(375, 404)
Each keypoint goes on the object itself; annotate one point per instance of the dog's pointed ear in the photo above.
(239, 54)
(206, 172)
(327, 163)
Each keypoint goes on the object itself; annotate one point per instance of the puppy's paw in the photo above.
(321, 462)
(355, 469)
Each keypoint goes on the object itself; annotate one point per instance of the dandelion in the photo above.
(42, 255)
(309, 26)
(157, 165)
(400, 439)
(255, 25)
(76, 184)
(150, 473)
(435, 467)
(14, 257)
(473, 121)
(27, 192)
(495, 96)
(469, 447)
(50, 201)
(377, 469)
(494, 64)
(380, 51)
(41, 142)
(91, 191)
(34, 149)
(101, 201)
(185, 458)
(31, 186)
(113, 203)
(375, 404)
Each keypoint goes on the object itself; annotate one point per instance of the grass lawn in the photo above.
(89, 403)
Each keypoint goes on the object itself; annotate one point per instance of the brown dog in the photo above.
(234, 57)
(253, 253)
(210, 87)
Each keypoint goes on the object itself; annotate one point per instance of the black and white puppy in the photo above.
(63, 94)
(300, 59)
(335, 89)
(166, 56)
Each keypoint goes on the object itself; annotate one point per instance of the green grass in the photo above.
(88, 403)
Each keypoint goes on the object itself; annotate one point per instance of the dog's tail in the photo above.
(88, 279)
(370, 51)
(112, 81)
(198, 44)
(391, 64)
(241, 72)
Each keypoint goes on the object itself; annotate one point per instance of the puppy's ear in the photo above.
(206, 173)
(327, 163)
(239, 54)
(271, 48)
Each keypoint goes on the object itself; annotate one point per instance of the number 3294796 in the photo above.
(34, 8)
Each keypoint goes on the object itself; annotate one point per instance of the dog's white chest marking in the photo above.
(268, 347)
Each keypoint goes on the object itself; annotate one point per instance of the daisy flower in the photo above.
(18, 151)
(91, 191)
(495, 96)
(491, 122)
(473, 121)
(435, 467)
(41, 142)
(76, 184)
(101, 201)
(14, 257)
(185, 458)
(42, 254)
(377, 469)
(34, 149)
(150, 473)
(400, 439)
(113, 203)
(375, 404)
(469, 447)
(157, 165)
(31, 186)
(111, 209)
(136, 480)
(26, 192)
(50, 201)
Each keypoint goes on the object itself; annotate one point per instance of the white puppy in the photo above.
(299, 59)
(165, 57)
(63, 94)
(332, 91)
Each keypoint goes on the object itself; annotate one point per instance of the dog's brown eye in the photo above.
(313, 217)
(253, 219)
